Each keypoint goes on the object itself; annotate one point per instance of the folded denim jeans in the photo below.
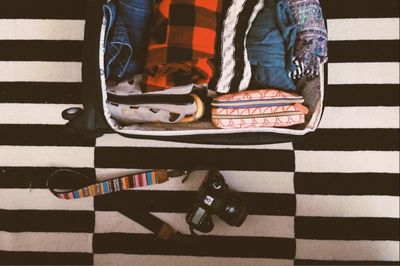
(270, 46)
(126, 37)
(136, 15)
(119, 64)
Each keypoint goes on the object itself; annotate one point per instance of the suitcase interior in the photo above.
(312, 90)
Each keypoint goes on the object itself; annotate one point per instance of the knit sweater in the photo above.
(233, 69)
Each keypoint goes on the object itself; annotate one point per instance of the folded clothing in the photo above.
(312, 40)
(258, 108)
(128, 114)
(126, 37)
(119, 63)
(233, 70)
(181, 45)
(270, 46)
(136, 15)
(128, 105)
(133, 85)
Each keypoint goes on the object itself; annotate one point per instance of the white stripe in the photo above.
(41, 29)
(360, 117)
(245, 181)
(47, 156)
(347, 206)
(363, 29)
(347, 250)
(347, 161)
(34, 71)
(116, 140)
(262, 182)
(157, 260)
(254, 225)
(50, 242)
(40, 199)
(228, 48)
(363, 73)
(25, 113)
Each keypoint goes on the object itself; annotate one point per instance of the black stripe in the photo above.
(42, 135)
(47, 221)
(151, 98)
(33, 50)
(221, 246)
(345, 262)
(182, 201)
(360, 9)
(364, 51)
(186, 158)
(239, 43)
(44, 9)
(36, 177)
(347, 184)
(76, 9)
(362, 95)
(340, 228)
(351, 140)
(40, 92)
(45, 258)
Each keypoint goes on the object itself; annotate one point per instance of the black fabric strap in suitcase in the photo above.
(149, 98)
(88, 188)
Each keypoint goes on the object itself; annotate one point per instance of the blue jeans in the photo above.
(270, 45)
(136, 15)
(127, 35)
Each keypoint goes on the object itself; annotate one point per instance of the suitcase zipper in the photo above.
(257, 116)
(255, 103)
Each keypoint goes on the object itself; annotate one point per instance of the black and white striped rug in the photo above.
(332, 199)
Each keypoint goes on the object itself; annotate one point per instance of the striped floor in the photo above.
(331, 199)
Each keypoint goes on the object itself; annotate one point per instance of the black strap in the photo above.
(160, 228)
(150, 98)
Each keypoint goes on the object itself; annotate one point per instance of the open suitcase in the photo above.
(94, 119)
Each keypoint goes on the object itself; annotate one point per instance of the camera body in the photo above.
(215, 197)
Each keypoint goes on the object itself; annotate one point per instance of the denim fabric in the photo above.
(136, 15)
(126, 37)
(270, 46)
(119, 64)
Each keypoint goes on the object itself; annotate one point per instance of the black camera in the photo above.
(214, 197)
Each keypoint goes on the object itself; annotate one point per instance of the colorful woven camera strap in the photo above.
(111, 185)
(90, 189)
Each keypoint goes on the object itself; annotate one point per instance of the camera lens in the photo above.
(235, 211)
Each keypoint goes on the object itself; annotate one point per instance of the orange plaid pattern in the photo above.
(182, 44)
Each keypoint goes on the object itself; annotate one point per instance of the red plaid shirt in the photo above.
(182, 43)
